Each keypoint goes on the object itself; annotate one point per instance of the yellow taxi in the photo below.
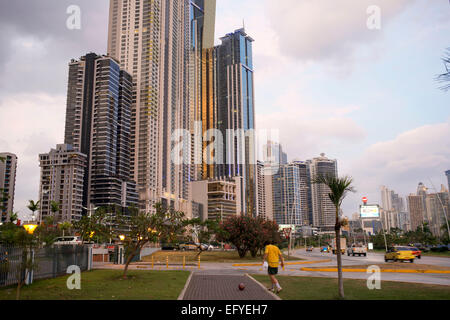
(399, 253)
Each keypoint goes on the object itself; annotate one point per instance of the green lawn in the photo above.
(207, 256)
(107, 285)
(309, 288)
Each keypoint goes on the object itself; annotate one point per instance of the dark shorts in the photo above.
(273, 271)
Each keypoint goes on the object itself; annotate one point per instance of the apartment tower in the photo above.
(164, 46)
(8, 169)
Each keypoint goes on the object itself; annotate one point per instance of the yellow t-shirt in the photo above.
(273, 255)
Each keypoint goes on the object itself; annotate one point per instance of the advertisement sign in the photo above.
(370, 211)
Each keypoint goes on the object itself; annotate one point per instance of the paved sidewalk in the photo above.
(225, 287)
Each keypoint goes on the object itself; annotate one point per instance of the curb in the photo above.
(386, 270)
(286, 263)
(183, 292)
(262, 286)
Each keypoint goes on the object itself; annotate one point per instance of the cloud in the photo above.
(418, 155)
(37, 46)
(306, 129)
(30, 125)
(327, 29)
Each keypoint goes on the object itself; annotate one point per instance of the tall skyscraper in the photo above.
(447, 173)
(62, 175)
(236, 112)
(98, 125)
(7, 184)
(438, 206)
(305, 191)
(422, 192)
(286, 195)
(416, 212)
(166, 46)
(324, 211)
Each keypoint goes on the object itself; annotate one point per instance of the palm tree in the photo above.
(339, 187)
(65, 226)
(54, 208)
(33, 206)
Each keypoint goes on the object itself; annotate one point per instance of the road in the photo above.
(372, 258)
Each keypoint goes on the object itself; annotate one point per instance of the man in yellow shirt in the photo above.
(273, 256)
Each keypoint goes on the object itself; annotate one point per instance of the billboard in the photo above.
(370, 211)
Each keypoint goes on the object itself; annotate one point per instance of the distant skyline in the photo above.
(367, 98)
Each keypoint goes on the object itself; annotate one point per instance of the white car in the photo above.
(68, 240)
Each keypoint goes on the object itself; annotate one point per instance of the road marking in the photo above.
(385, 270)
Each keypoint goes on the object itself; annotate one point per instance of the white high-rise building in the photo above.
(324, 211)
(62, 175)
(8, 169)
(162, 44)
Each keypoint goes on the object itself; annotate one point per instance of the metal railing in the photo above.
(50, 262)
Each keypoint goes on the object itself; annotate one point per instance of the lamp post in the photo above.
(221, 219)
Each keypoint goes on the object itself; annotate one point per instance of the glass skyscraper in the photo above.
(236, 112)
(98, 125)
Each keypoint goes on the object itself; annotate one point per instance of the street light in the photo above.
(122, 237)
(221, 219)
(31, 226)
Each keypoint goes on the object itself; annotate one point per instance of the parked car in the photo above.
(416, 252)
(310, 248)
(440, 248)
(190, 246)
(398, 253)
(68, 240)
(169, 247)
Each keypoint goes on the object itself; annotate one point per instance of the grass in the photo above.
(207, 256)
(106, 285)
(310, 288)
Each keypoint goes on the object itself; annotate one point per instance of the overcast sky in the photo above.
(329, 84)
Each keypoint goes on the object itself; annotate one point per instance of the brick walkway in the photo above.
(224, 287)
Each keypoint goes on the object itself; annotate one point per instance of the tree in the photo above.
(54, 208)
(445, 77)
(142, 228)
(92, 226)
(33, 206)
(202, 231)
(247, 233)
(64, 226)
(339, 187)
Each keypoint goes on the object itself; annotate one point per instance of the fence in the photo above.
(50, 262)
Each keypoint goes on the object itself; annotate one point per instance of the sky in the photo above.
(329, 83)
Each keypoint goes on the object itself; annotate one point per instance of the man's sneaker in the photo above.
(279, 290)
(270, 289)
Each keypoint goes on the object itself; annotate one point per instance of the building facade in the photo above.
(323, 210)
(286, 196)
(166, 46)
(236, 113)
(416, 211)
(98, 125)
(447, 173)
(218, 199)
(8, 169)
(305, 191)
(61, 180)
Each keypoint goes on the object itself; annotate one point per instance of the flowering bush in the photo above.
(248, 234)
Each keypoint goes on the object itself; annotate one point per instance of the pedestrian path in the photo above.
(202, 286)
